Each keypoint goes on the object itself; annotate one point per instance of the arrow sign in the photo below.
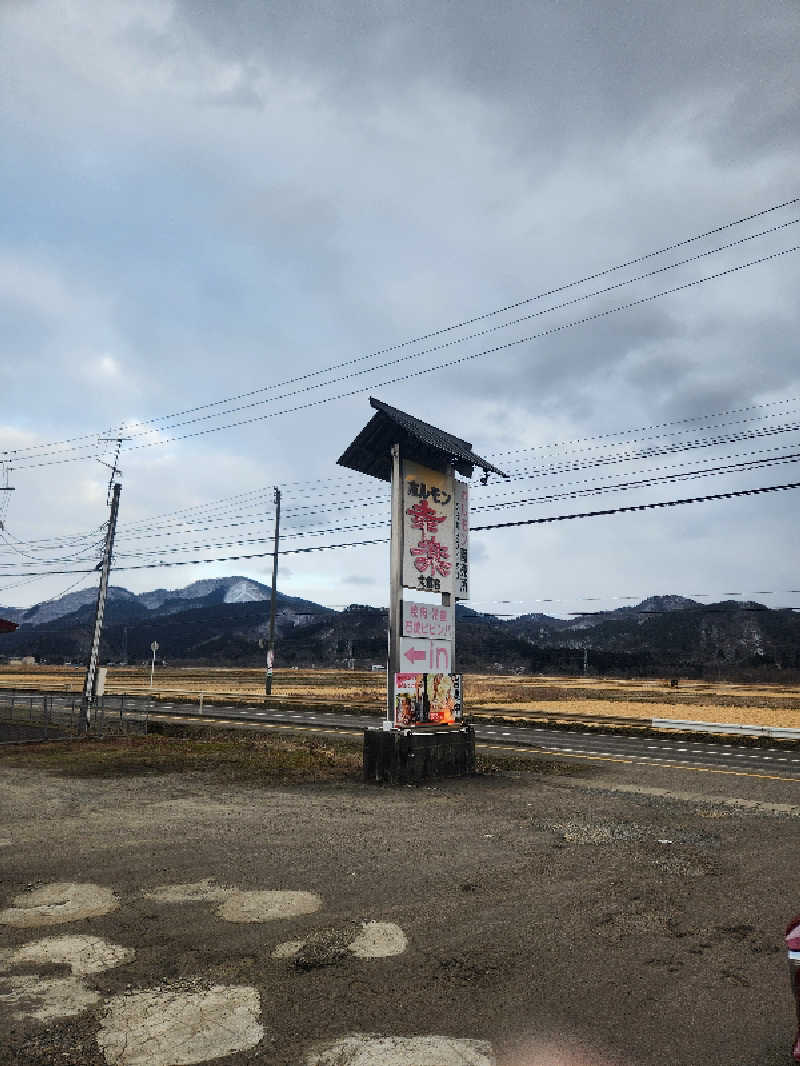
(415, 656)
(428, 656)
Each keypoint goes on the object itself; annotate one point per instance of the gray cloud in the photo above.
(215, 197)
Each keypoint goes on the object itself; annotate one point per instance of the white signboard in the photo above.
(428, 529)
(428, 620)
(461, 540)
(426, 656)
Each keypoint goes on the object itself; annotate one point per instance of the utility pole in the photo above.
(271, 645)
(90, 685)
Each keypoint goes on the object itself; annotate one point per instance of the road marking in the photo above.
(628, 761)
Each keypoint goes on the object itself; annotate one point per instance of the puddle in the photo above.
(47, 998)
(57, 903)
(369, 1049)
(173, 1028)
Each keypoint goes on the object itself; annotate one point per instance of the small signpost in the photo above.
(429, 554)
(153, 649)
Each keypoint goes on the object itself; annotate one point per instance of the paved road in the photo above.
(733, 756)
(577, 743)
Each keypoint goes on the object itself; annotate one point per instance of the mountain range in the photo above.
(220, 621)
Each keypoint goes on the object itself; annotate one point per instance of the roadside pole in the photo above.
(271, 645)
(89, 688)
(153, 648)
(395, 584)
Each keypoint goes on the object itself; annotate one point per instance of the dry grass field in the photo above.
(485, 694)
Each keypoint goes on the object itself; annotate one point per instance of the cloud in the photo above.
(205, 200)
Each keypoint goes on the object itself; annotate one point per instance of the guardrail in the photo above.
(727, 728)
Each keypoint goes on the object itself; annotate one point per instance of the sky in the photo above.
(201, 200)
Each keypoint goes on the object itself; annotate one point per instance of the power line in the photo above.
(460, 360)
(474, 529)
(462, 324)
(21, 458)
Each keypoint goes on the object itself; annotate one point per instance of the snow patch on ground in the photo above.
(47, 998)
(244, 592)
(59, 902)
(83, 954)
(370, 1049)
(174, 1028)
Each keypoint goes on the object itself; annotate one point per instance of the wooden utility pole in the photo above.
(90, 685)
(271, 645)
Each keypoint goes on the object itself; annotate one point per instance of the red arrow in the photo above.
(415, 656)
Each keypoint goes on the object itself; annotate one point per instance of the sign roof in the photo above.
(370, 452)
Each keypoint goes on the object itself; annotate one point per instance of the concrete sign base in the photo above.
(398, 758)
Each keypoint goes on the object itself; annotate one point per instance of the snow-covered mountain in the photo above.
(49, 610)
(228, 590)
(203, 593)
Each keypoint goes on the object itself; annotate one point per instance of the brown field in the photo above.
(771, 705)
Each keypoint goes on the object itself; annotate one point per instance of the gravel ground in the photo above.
(638, 914)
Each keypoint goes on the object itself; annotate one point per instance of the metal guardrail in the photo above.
(727, 728)
(118, 714)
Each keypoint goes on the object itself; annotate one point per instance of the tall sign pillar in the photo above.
(428, 573)
(395, 583)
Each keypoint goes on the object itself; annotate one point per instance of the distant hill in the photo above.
(220, 621)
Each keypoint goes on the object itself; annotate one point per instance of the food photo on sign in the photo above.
(426, 699)
(409, 699)
(443, 698)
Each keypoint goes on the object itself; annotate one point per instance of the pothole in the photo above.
(370, 1049)
(47, 998)
(174, 1028)
(267, 906)
(60, 902)
(83, 954)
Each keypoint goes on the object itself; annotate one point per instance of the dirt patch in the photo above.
(379, 940)
(267, 906)
(53, 904)
(82, 954)
(245, 759)
(369, 1049)
(198, 892)
(177, 1027)
(46, 999)
(365, 940)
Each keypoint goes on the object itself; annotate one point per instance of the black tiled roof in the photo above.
(370, 452)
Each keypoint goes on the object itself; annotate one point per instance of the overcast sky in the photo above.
(202, 198)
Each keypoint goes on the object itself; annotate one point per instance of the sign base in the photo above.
(401, 758)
